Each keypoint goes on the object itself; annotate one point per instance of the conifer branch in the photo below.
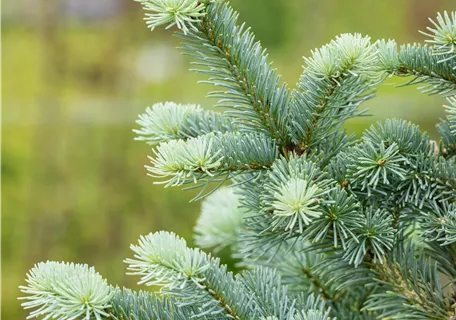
(413, 288)
(443, 36)
(447, 130)
(336, 80)
(212, 157)
(233, 60)
(419, 62)
(220, 221)
(130, 305)
(163, 259)
(170, 121)
(66, 291)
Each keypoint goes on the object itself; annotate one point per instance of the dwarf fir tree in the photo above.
(325, 225)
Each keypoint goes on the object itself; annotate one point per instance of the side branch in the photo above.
(234, 61)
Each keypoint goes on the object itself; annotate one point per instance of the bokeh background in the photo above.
(76, 74)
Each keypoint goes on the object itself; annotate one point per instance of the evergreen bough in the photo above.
(325, 225)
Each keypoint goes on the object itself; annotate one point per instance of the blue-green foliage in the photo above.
(325, 225)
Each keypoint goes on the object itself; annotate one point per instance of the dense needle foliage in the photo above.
(325, 226)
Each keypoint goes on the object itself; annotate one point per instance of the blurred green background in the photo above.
(76, 74)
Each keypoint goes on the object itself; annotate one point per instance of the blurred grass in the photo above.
(73, 183)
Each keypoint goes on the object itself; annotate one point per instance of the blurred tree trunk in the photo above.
(52, 65)
(47, 139)
(421, 10)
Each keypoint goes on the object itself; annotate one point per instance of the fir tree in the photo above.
(325, 225)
